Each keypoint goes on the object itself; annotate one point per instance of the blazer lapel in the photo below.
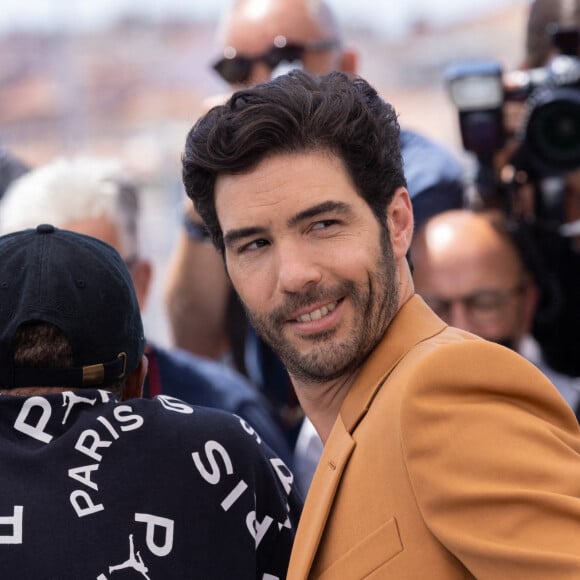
(319, 499)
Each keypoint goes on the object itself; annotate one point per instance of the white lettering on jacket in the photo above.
(92, 444)
(159, 524)
(15, 521)
(37, 429)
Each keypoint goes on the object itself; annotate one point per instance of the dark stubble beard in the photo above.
(375, 304)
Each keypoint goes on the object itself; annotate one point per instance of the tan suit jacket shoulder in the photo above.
(452, 457)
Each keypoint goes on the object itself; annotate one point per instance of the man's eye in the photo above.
(324, 224)
(486, 302)
(252, 246)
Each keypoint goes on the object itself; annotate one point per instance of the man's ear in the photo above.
(400, 222)
(135, 381)
(141, 273)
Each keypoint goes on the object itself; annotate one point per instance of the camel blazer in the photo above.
(452, 457)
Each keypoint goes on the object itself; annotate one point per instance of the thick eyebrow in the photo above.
(324, 207)
(234, 236)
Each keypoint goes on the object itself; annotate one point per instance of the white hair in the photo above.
(72, 189)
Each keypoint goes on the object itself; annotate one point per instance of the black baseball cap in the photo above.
(79, 284)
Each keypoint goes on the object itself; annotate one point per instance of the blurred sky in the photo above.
(393, 17)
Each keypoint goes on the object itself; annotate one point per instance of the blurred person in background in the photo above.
(260, 39)
(97, 197)
(481, 273)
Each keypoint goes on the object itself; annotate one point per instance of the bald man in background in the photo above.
(478, 274)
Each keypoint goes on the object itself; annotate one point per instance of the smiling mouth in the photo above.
(318, 313)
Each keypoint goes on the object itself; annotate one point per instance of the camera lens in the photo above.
(553, 128)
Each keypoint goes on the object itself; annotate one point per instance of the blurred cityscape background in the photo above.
(128, 80)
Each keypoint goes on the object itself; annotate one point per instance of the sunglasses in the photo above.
(236, 68)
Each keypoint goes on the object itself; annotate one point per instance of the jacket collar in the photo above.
(414, 323)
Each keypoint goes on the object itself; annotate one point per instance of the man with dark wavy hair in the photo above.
(445, 456)
(258, 39)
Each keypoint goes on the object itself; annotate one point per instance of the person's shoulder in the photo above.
(430, 165)
(174, 418)
(209, 383)
(185, 374)
(169, 408)
(454, 353)
(435, 176)
(416, 145)
(459, 369)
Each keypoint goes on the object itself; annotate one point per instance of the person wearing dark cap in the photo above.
(99, 197)
(96, 482)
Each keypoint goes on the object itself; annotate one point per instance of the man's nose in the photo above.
(298, 268)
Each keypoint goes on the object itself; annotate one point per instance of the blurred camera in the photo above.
(549, 136)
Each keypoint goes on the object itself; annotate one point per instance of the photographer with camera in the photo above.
(524, 129)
